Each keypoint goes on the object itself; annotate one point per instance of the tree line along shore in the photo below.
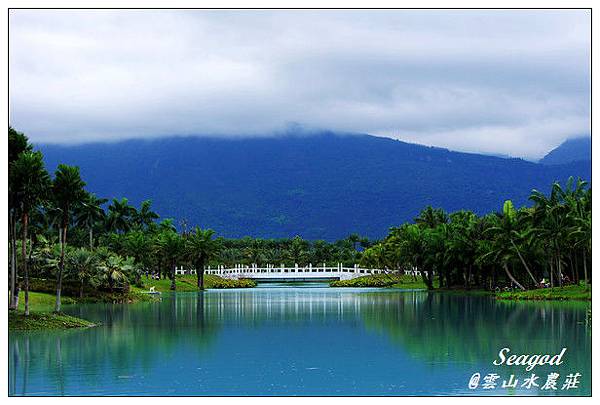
(64, 247)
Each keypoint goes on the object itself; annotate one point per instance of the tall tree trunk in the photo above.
(426, 276)
(524, 263)
(25, 220)
(200, 274)
(14, 293)
(573, 277)
(91, 238)
(510, 276)
(551, 272)
(559, 269)
(468, 279)
(173, 286)
(61, 267)
(585, 274)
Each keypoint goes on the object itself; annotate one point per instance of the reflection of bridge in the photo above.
(296, 273)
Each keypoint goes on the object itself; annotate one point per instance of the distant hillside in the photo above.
(322, 186)
(571, 150)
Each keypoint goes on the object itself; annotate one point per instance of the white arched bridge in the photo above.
(295, 273)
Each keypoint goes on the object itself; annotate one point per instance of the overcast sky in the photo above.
(507, 82)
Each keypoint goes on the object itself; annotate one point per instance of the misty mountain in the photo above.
(571, 150)
(321, 186)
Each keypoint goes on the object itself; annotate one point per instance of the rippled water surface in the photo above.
(302, 340)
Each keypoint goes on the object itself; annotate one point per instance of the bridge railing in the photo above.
(241, 270)
(254, 271)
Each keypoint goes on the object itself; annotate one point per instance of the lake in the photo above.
(303, 340)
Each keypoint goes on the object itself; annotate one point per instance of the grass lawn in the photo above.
(42, 302)
(41, 317)
(44, 321)
(570, 292)
(188, 283)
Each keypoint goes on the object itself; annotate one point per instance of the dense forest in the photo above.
(58, 230)
(548, 244)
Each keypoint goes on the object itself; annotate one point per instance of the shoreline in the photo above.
(42, 318)
(41, 302)
(566, 293)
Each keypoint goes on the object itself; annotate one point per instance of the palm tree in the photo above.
(508, 233)
(120, 215)
(67, 191)
(581, 213)
(501, 249)
(171, 248)
(321, 251)
(31, 182)
(296, 251)
(167, 225)
(552, 224)
(89, 213)
(254, 251)
(114, 269)
(17, 144)
(200, 247)
(138, 245)
(413, 249)
(431, 217)
(44, 256)
(374, 256)
(84, 264)
(145, 216)
(355, 239)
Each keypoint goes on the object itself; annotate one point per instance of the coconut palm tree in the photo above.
(145, 216)
(171, 247)
(552, 225)
(431, 217)
(508, 234)
(297, 251)
(501, 249)
(67, 191)
(17, 144)
(89, 213)
(200, 247)
(120, 215)
(375, 256)
(139, 246)
(31, 181)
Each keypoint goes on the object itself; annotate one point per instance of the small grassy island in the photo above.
(67, 246)
(382, 280)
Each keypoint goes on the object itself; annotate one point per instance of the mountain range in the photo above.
(571, 150)
(322, 186)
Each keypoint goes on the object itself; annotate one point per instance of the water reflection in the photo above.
(294, 340)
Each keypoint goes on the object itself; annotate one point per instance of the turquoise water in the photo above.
(301, 340)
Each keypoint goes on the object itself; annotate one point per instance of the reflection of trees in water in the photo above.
(441, 330)
(444, 329)
(302, 305)
(132, 338)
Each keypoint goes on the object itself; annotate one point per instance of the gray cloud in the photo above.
(511, 82)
